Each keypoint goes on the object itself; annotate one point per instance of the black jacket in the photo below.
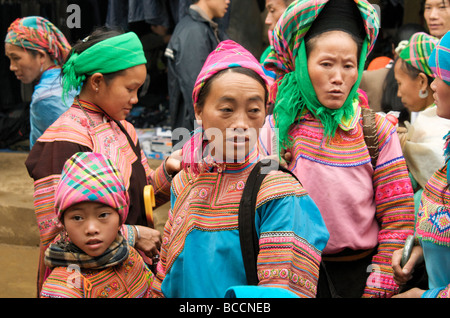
(191, 42)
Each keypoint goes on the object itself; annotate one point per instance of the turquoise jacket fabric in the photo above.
(46, 103)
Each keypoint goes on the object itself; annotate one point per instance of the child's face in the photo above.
(92, 226)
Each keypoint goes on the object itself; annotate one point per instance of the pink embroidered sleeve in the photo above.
(394, 209)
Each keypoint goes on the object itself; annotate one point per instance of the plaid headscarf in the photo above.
(88, 176)
(228, 54)
(37, 33)
(418, 50)
(111, 55)
(439, 60)
(293, 91)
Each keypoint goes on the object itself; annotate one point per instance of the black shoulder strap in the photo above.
(370, 134)
(136, 147)
(246, 217)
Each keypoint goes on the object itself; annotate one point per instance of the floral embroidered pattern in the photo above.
(104, 293)
(284, 273)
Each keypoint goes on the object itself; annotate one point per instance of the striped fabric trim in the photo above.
(284, 248)
(44, 199)
(278, 185)
(345, 149)
(394, 212)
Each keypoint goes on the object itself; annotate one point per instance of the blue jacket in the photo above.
(46, 103)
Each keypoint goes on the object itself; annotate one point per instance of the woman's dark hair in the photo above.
(204, 92)
(390, 101)
(413, 72)
(95, 37)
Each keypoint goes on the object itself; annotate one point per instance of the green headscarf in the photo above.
(111, 55)
(293, 97)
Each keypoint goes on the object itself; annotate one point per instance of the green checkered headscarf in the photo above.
(294, 90)
(418, 50)
(111, 55)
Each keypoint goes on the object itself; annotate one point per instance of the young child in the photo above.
(92, 258)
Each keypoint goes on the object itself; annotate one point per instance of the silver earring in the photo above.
(423, 95)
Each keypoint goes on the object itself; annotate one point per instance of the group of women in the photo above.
(327, 228)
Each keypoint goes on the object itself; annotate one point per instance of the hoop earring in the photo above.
(423, 95)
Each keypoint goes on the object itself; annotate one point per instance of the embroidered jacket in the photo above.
(131, 279)
(87, 129)
(201, 254)
(362, 208)
(433, 231)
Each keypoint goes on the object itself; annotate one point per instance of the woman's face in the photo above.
(437, 16)
(25, 65)
(118, 96)
(408, 89)
(441, 97)
(275, 9)
(333, 67)
(92, 226)
(232, 114)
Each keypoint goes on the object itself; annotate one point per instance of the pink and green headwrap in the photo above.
(439, 60)
(37, 33)
(88, 176)
(418, 50)
(228, 54)
(293, 91)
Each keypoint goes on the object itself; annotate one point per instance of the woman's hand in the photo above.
(173, 162)
(412, 293)
(284, 159)
(149, 241)
(402, 275)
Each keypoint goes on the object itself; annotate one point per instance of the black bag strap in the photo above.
(246, 218)
(136, 147)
